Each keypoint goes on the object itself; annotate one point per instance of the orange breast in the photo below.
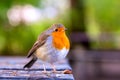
(60, 41)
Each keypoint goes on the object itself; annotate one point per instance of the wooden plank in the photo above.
(12, 68)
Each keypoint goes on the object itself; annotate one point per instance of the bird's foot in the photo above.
(67, 71)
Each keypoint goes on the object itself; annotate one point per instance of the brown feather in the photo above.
(41, 40)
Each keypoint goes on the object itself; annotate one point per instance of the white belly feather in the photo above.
(50, 54)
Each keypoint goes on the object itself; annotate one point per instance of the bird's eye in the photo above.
(56, 30)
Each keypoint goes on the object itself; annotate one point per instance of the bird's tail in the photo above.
(30, 63)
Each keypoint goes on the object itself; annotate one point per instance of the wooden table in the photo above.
(12, 68)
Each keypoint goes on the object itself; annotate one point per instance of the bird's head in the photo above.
(57, 29)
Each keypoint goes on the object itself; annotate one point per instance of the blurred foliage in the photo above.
(6, 4)
(14, 40)
(103, 23)
(108, 14)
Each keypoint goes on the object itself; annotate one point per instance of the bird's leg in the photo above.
(44, 69)
(54, 69)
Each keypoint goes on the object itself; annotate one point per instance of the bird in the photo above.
(51, 46)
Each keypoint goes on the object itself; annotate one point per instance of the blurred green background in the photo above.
(21, 21)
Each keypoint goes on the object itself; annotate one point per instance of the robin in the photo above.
(51, 46)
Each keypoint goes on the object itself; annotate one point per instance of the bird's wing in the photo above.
(41, 40)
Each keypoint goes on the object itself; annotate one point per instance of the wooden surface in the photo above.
(12, 68)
